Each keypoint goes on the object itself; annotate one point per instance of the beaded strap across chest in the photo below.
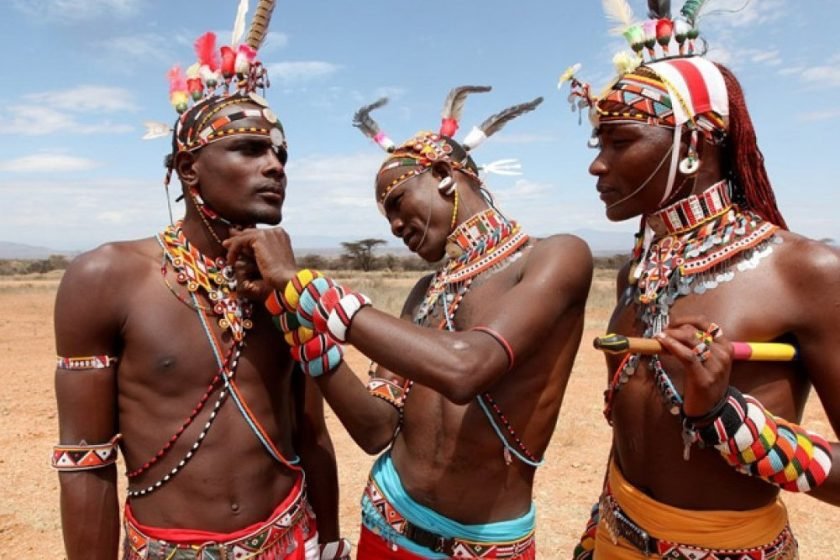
(215, 280)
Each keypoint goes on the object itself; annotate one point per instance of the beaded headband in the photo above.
(223, 77)
(426, 148)
(664, 90)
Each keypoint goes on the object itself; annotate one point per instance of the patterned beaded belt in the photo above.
(276, 533)
(452, 547)
(619, 524)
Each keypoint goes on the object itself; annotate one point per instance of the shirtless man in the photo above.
(470, 379)
(160, 357)
(677, 147)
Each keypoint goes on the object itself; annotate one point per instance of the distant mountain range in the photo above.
(9, 250)
(602, 243)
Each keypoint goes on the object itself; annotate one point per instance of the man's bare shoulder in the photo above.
(807, 263)
(566, 258)
(416, 294)
(111, 262)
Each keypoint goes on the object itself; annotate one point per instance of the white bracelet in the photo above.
(336, 550)
(342, 314)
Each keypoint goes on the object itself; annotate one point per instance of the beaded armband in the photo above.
(85, 457)
(759, 444)
(85, 362)
(388, 391)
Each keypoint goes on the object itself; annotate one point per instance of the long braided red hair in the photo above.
(750, 183)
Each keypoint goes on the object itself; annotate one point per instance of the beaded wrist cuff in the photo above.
(307, 305)
(325, 363)
(294, 288)
(759, 444)
(85, 457)
(342, 314)
(274, 303)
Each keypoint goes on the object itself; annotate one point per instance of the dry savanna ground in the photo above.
(565, 488)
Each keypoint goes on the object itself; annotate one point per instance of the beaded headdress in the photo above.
(425, 148)
(228, 76)
(678, 91)
(667, 81)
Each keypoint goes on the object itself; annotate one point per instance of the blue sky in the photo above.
(83, 75)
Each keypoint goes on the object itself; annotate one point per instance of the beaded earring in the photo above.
(447, 185)
(691, 162)
(454, 220)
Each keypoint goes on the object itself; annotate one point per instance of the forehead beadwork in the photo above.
(222, 77)
(666, 89)
(422, 151)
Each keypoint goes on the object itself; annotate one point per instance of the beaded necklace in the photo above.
(199, 272)
(481, 243)
(486, 242)
(699, 242)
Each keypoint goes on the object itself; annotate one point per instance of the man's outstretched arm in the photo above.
(460, 365)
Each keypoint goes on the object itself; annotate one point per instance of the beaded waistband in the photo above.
(275, 533)
(450, 546)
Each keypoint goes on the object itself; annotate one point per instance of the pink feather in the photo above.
(205, 49)
(177, 80)
(247, 51)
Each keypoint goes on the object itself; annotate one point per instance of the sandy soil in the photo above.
(565, 489)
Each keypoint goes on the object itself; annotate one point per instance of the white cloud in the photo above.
(522, 138)
(300, 71)
(828, 114)
(335, 170)
(822, 76)
(48, 163)
(53, 111)
(80, 214)
(743, 13)
(523, 189)
(71, 11)
(86, 98)
(146, 46)
(33, 120)
(334, 194)
(274, 40)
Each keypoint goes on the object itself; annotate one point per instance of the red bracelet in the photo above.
(502, 342)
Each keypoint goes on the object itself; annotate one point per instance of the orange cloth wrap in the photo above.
(722, 529)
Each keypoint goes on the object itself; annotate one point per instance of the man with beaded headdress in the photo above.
(469, 381)
(174, 368)
(700, 476)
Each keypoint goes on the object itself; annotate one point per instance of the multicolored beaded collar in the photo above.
(214, 276)
(699, 243)
(483, 242)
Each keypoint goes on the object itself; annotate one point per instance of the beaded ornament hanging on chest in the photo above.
(699, 243)
(213, 277)
(484, 242)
